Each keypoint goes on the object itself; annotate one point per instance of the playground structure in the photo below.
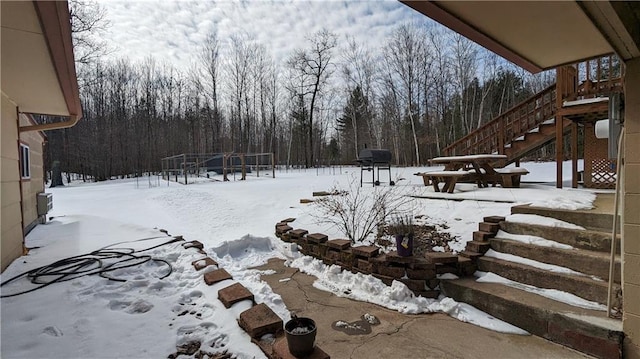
(582, 95)
(201, 165)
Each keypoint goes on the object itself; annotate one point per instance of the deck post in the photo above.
(574, 154)
(560, 88)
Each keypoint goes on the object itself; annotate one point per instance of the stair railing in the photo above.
(590, 78)
(507, 127)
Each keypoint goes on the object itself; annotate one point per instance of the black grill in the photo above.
(371, 157)
(370, 160)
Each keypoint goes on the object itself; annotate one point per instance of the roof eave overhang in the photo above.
(454, 23)
(613, 24)
(56, 26)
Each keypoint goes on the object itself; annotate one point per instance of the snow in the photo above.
(512, 170)
(584, 101)
(533, 263)
(535, 240)
(147, 316)
(557, 295)
(468, 158)
(542, 220)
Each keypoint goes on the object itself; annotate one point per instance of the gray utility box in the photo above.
(45, 203)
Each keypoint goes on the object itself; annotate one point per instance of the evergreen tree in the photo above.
(354, 124)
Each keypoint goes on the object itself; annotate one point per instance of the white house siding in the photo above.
(11, 223)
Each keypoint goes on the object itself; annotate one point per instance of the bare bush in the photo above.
(357, 212)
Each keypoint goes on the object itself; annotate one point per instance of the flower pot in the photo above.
(301, 336)
(404, 245)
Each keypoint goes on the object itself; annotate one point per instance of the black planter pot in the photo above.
(301, 336)
(404, 245)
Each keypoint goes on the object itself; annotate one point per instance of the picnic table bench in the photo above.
(449, 178)
(472, 168)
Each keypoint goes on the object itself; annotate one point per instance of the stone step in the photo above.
(583, 239)
(581, 260)
(584, 287)
(587, 331)
(588, 218)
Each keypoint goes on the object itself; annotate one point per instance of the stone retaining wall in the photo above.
(419, 274)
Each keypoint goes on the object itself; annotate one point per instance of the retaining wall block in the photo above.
(421, 273)
(365, 266)
(391, 271)
(482, 236)
(493, 219)
(385, 279)
(428, 293)
(447, 268)
(297, 233)
(317, 237)
(488, 227)
(433, 283)
(365, 251)
(421, 263)
(414, 284)
(339, 244)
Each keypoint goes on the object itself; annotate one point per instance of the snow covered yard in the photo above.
(147, 316)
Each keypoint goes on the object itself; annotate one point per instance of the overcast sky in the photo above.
(173, 30)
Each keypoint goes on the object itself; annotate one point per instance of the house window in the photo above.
(25, 162)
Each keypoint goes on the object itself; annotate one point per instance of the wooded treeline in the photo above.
(421, 90)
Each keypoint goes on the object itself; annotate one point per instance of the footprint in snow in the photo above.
(53, 331)
(137, 307)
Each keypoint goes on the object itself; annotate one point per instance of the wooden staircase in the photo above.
(531, 124)
(522, 129)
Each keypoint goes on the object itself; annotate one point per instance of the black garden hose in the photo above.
(89, 264)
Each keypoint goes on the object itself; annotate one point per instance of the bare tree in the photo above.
(210, 63)
(313, 67)
(407, 58)
(88, 22)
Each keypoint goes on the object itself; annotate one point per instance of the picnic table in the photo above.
(471, 168)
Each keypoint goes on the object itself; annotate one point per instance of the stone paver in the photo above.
(234, 294)
(216, 276)
(193, 244)
(260, 320)
(203, 263)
